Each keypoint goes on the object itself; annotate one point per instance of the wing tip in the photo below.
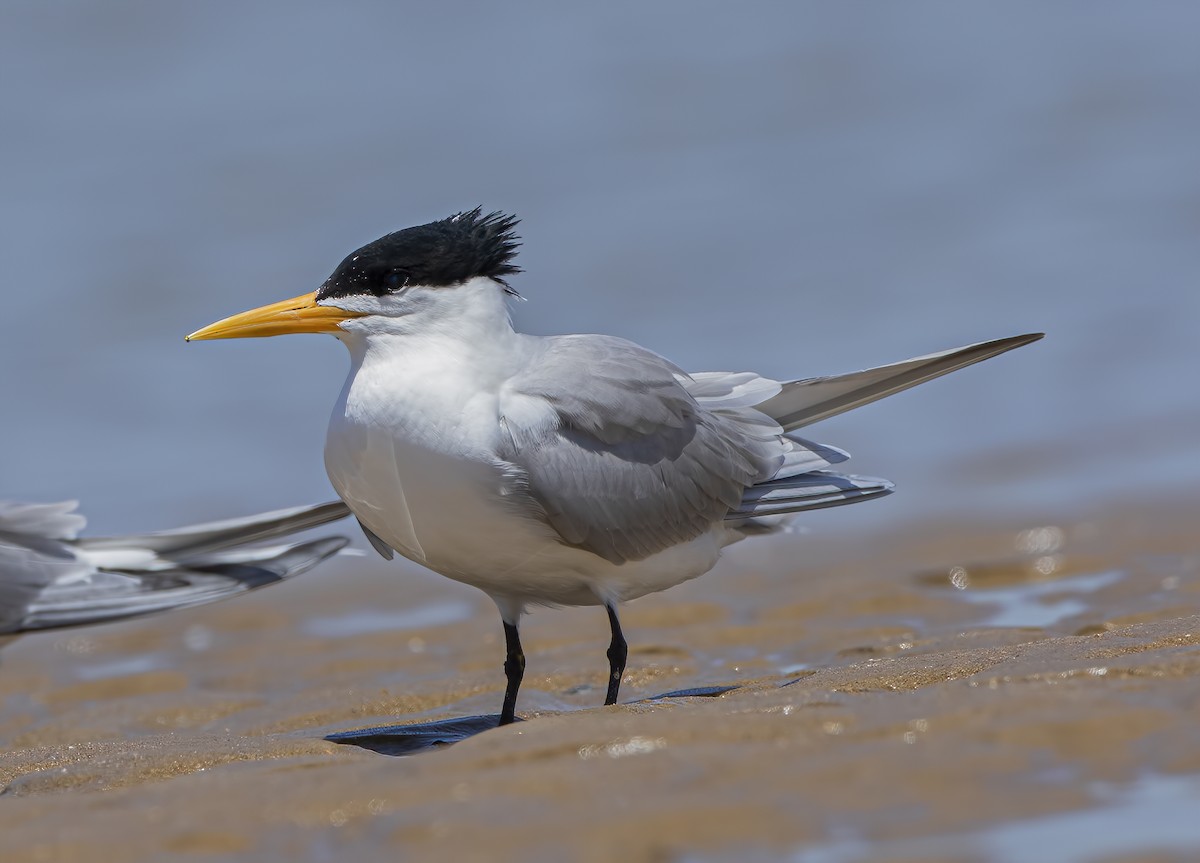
(1023, 339)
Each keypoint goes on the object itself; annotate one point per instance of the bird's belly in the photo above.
(414, 498)
(453, 514)
(449, 511)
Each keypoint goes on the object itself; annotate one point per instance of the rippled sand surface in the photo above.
(982, 691)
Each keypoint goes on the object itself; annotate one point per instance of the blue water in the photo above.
(364, 621)
(1040, 603)
(793, 188)
(1154, 815)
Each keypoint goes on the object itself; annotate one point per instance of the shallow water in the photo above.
(1155, 814)
(1040, 604)
(879, 712)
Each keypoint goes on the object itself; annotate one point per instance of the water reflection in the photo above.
(366, 620)
(1038, 604)
(1155, 814)
(122, 667)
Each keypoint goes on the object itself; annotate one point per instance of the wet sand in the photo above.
(980, 691)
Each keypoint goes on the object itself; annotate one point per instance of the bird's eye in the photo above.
(395, 280)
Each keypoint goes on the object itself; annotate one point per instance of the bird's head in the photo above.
(394, 284)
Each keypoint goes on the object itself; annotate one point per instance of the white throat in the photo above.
(418, 416)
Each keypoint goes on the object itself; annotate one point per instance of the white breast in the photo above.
(411, 449)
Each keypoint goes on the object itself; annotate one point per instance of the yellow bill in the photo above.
(297, 315)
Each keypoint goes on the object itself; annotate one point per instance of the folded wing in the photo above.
(613, 448)
(625, 455)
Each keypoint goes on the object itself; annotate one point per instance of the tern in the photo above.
(51, 578)
(560, 470)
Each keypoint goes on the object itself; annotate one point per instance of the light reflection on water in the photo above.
(366, 621)
(1155, 814)
(1038, 604)
(122, 666)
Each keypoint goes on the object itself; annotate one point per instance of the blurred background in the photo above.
(791, 188)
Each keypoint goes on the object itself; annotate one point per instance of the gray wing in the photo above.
(801, 403)
(203, 538)
(103, 595)
(34, 552)
(816, 489)
(622, 460)
(48, 578)
(624, 454)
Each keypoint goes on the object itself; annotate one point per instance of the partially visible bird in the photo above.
(50, 578)
(561, 470)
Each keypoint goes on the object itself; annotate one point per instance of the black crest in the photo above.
(440, 254)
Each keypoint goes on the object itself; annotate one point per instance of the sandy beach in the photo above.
(955, 692)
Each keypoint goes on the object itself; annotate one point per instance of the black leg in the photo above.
(618, 652)
(514, 670)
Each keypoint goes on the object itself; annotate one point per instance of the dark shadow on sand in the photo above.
(419, 737)
(426, 736)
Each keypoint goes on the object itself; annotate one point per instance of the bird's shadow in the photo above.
(421, 737)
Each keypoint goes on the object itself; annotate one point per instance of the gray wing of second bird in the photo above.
(50, 579)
